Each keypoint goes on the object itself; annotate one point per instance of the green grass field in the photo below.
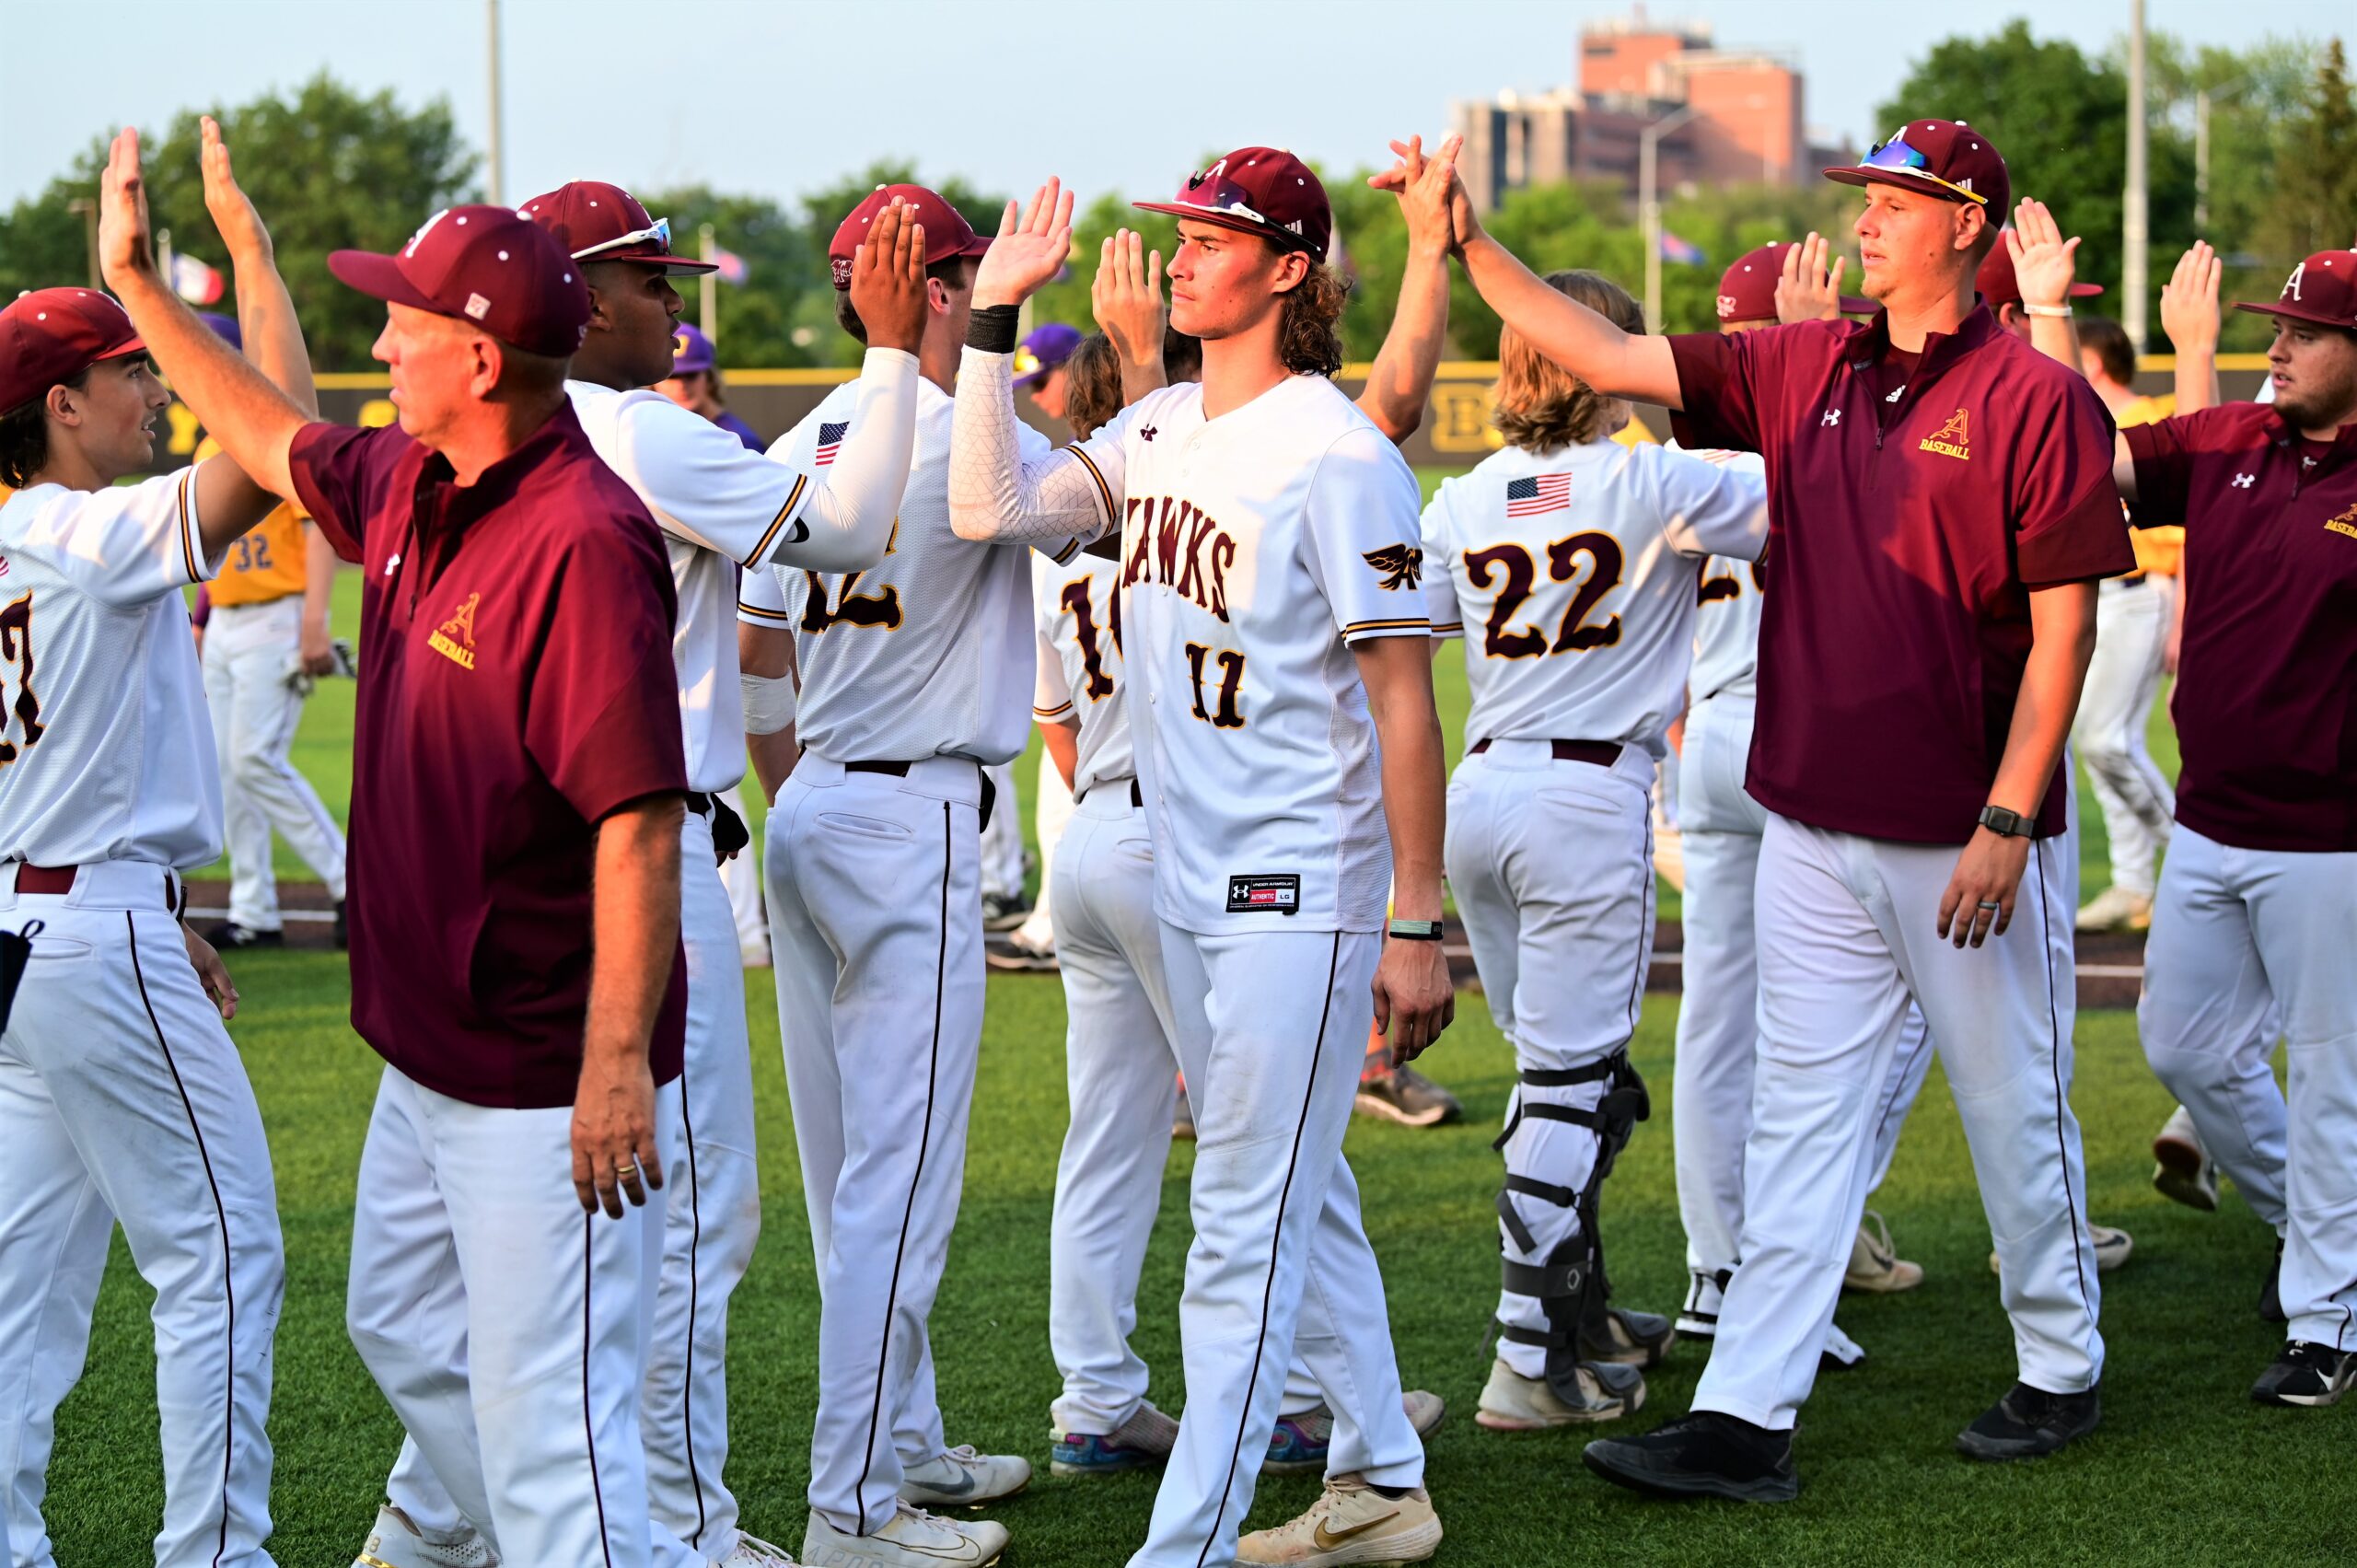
(2185, 1470)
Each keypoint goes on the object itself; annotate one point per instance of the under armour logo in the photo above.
(1148, 434)
(1896, 393)
(393, 560)
(2244, 480)
(1832, 417)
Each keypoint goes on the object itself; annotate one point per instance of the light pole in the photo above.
(2202, 101)
(497, 169)
(2135, 240)
(708, 286)
(1649, 206)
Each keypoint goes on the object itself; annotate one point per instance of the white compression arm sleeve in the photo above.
(768, 702)
(993, 495)
(849, 516)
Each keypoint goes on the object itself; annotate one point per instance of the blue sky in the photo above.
(781, 97)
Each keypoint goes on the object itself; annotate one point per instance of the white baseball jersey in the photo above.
(106, 749)
(1570, 575)
(931, 652)
(1726, 616)
(1255, 549)
(720, 506)
(1080, 664)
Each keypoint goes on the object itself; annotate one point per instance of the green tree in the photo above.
(2315, 205)
(329, 169)
(763, 320)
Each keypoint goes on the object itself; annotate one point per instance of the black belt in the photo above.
(2129, 579)
(900, 770)
(1598, 753)
(1137, 796)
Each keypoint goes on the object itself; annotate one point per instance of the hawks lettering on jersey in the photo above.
(1181, 550)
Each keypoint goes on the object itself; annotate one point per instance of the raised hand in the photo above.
(2045, 263)
(1031, 248)
(1126, 299)
(233, 213)
(2190, 301)
(1416, 179)
(1808, 290)
(126, 250)
(887, 279)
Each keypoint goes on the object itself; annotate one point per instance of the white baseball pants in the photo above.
(1848, 934)
(742, 877)
(1049, 812)
(1002, 841)
(1551, 864)
(1718, 1018)
(1118, 1062)
(711, 1216)
(2123, 678)
(2237, 934)
(122, 1098)
(250, 650)
(876, 916)
(1271, 1032)
(506, 1327)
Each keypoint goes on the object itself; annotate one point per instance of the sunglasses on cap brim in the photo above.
(1896, 157)
(659, 232)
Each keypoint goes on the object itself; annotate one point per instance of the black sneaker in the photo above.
(1703, 1454)
(230, 934)
(1005, 913)
(2306, 1374)
(2271, 1290)
(2028, 1423)
(1407, 1097)
(343, 933)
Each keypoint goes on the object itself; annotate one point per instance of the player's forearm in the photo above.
(1400, 387)
(772, 757)
(1609, 360)
(994, 496)
(2057, 337)
(2195, 379)
(850, 516)
(2062, 629)
(634, 926)
(272, 333)
(1141, 376)
(318, 580)
(1062, 738)
(1398, 673)
(254, 422)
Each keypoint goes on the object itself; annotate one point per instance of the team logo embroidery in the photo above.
(1726, 306)
(1148, 434)
(2292, 283)
(455, 638)
(1952, 439)
(1832, 417)
(2345, 523)
(2244, 480)
(478, 307)
(1402, 565)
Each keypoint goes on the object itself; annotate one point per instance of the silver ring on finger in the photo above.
(1988, 904)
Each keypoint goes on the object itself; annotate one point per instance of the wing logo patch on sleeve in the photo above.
(1264, 895)
(1402, 566)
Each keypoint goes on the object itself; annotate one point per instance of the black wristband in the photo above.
(992, 328)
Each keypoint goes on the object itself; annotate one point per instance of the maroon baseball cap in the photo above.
(1747, 289)
(489, 265)
(2322, 289)
(598, 222)
(946, 232)
(53, 334)
(1259, 191)
(1946, 159)
(1999, 286)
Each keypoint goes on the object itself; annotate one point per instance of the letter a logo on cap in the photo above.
(2292, 283)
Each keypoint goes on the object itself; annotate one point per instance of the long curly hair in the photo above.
(1309, 338)
(1541, 405)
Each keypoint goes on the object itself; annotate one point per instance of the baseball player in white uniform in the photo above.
(122, 1097)
(1270, 623)
(914, 678)
(1566, 562)
(720, 505)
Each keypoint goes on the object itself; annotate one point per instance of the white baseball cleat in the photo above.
(395, 1542)
(753, 1553)
(964, 1479)
(2182, 1170)
(2111, 1244)
(1875, 1264)
(2116, 908)
(1349, 1523)
(910, 1539)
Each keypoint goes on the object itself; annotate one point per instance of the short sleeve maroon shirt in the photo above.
(516, 687)
(1906, 538)
(2265, 698)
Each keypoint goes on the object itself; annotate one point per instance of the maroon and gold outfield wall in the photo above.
(1456, 432)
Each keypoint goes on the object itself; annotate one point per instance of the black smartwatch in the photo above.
(2004, 824)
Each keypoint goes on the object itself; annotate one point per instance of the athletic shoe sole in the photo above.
(2177, 1176)
(1375, 1105)
(1490, 1421)
(1686, 1483)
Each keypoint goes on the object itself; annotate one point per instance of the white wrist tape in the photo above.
(768, 702)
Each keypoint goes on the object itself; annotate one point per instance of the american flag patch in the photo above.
(1541, 493)
(830, 437)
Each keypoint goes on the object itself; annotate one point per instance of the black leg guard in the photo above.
(1571, 1286)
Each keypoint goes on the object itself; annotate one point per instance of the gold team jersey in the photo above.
(267, 562)
(2157, 549)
